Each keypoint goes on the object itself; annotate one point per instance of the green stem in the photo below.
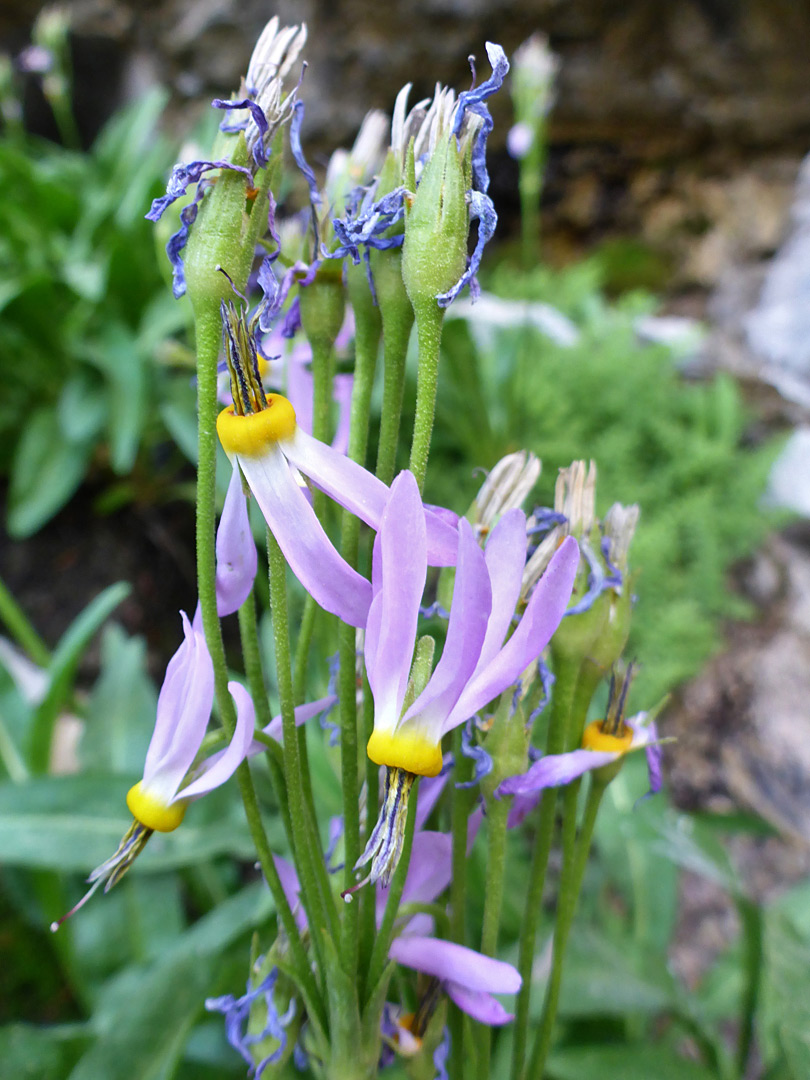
(751, 918)
(251, 655)
(497, 818)
(575, 859)
(252, 658)
(303, 648)
(560, 708)
(368, 897)
(209, 331)
(21, 629)
(429, 318)
(397, 321)
(320, 910)
(366, 346)
(530, 184)
(459, 817)
(379, 955)
(460, 813)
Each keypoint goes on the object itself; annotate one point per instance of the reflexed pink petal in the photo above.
(472, 600)
(183, 710)
(505, 556)
(391, 629)
(442, 537)
(646, 735)
(352, 486)
(348, 483)
(302, 714)
(306, 547)
(481, 1006)
(448, 961)
(236, 552)
(555, 770)
(220, 767)
(541, 618)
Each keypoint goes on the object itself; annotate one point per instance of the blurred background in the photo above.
(674, 239)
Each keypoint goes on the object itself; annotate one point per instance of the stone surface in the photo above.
(679, 122)
(742, 727)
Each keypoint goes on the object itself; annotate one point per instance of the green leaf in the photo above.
(120, 714)
(606, 979)
(628, 838)
(38, 1053)
(46, 470)
(118, 358)
(149, 1033)
(784, 1022)
(73, 823)
(82, 408)
(62, 669)
(636, 1061)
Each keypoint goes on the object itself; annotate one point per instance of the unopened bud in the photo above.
(435, 249)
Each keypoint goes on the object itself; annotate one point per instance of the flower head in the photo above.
(171, 780)
(604, 746)
(476, 665)
(264, 104)
(467, 977)
(272, 451)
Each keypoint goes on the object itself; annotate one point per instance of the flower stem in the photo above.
(575, 859)
(320, 909)
(209, 332)
(429, 318)
(397, 323)
(460, 812)
(367, 339)
(253, 669)
(497, 817)
(560, 708)
(379, 955)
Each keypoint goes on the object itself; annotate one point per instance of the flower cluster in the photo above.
(459, 710)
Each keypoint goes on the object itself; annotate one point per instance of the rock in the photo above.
(789, 481)
(778, 329)
(742, 727)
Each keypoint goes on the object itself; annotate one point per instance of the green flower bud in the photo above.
(435, 249)
(323, 306)
(222, 238)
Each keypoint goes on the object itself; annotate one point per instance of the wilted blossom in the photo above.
(237, 1016)
(508, 483)
(264, 106)
(429, 124)
(604, 546)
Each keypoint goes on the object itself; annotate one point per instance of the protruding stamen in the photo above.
(111, 871)
(613, 724)
(243, 363)
(384, 846)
